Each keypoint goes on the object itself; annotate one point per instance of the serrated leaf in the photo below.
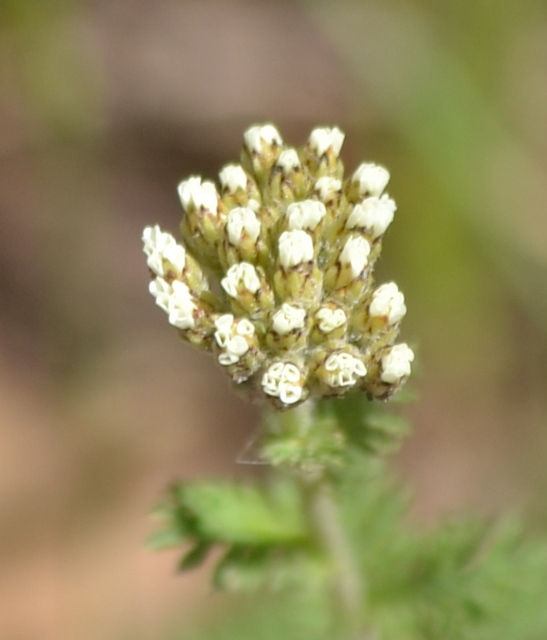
(243, 514)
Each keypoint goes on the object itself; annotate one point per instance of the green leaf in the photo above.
(244, 514)
(164, 539)
(247, 568)
(195, 556)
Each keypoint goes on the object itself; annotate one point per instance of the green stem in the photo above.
(347, 586)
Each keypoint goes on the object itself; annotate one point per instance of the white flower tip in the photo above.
(330, 319)
(323, 138)
(395, 364)
(355, 254)
(195, 194)
(240, 275)
(176, 300)
(387, 301)
(287, 319)
(160, 246)
(288, 161)
(372, 179)
(373, 214)
(283, 380)
(233, 177)
(242, 221)
(305, 215)
(327, 187)
(344, 370)
(295, 247)
(258, 135)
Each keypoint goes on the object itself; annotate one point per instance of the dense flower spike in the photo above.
(275, 275)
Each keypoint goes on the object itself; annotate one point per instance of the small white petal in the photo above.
(237, 345)
(195, 194)
(242, 220)
(258, 135)
(288, 161)
(373, 214)
(396, 363)
(305, 215)
(290, 393)
(233, 177)
(287, 319)
(389, 302)
(322, 138)
(345, 370)
(253, 204)
(327, 187)
(161, 290)
(330, 319)
(240, 274)
(155, 263)
(372, 179)
(154, 239)
(245, 327)
(295, 247)
(226, 359)
(355, 253)
(223, 326)
(176, 255)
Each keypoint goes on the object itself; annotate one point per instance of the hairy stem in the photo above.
(347, 586)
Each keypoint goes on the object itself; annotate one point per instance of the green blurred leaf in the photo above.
(244, 514)
(195, 556)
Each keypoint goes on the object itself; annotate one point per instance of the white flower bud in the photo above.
(287, 319)
(323, 138)
(396, 363)
(181, 306)
(258, 135)
(154, 239)
(233, 177)
(283, 380)
(240, 274)
(372, 214)
(305, 215)
(159, 245)
(344, 370)
(242, 220)
(231, 338)
(387, 301)
(330, 319)
(175, 254)
(355, 253)
(176, 300)
(288, 161)
(295, 247)
(327, 187)
(195, 194)
(372, 179)
(161, 290)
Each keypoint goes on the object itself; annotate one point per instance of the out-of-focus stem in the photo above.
(347, 583)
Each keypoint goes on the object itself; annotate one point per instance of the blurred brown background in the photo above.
(104, 107)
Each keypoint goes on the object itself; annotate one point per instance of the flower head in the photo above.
(294, 312)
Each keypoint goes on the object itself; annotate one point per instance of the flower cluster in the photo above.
(275, 276)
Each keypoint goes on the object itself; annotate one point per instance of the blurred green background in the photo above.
(104, 107)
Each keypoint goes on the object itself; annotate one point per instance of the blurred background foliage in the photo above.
(104, 107)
